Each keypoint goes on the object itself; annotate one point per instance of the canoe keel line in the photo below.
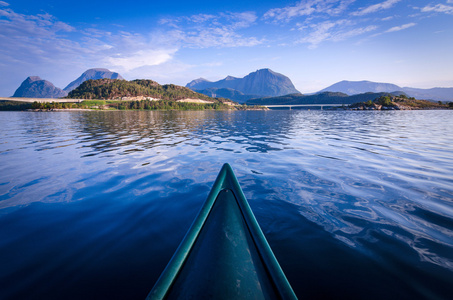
(224, 255)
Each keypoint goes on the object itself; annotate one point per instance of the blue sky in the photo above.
(314, 42)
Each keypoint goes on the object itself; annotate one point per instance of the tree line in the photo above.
(116, 89)
(131, 105)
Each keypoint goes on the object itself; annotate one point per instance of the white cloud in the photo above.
(241, 20)
(320, 34)
(95, 33)
(40, 25)
(376, 7)
(333, 31)
(140, 58)
(307, 8)
(200, 18)
(126, 51)
(42, 45)
(321, 20)
(341, 36)
(3, 3)
(36, 38)
(289, 12)
(33, 38)
(205, 31)
(402, 27)
(217, 37)
(439, 8)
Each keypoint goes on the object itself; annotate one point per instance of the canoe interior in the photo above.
(224, 255)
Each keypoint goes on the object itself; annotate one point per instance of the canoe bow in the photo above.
(224, 255)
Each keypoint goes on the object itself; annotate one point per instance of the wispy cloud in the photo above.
(43, 40)
(333, 31)
(402, 27)
(440, 8)
(307, 8)
(36, 25)
(321, 21)
(128, 51)
(376, 7)
(340, 36)
(395, 29)
(205, 31)
(140, 58)
(322, 32)
(33, 38)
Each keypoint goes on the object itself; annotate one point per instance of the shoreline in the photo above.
(244, 109)
(189, 104)
(41, 100)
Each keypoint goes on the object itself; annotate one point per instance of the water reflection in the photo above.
(366, 191)
(378, 176)
(145, 130)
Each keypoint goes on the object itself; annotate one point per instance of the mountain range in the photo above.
(359, 87)
(264, 82)
(35, 87)
(259, 84)
(267, 83)
(227, 93)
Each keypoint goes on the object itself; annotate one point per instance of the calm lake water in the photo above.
(355, 205)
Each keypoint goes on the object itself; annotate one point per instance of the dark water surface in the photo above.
(355, 205)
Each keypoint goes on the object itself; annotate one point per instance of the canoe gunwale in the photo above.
(225, 180)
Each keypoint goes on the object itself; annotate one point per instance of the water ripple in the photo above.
(367, 191)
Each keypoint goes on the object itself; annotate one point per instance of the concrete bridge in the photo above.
(40, 100)
(304, 105)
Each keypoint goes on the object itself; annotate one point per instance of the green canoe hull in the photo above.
(224, 255)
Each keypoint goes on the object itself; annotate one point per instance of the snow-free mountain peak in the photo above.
(364, 86)
(96, 73)
(263, 82)
(358, 87)
(197, 82)
(35, 87)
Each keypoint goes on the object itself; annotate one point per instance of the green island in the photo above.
(401, 102)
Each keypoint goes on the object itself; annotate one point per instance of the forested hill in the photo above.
(325, 97)
(118, 89)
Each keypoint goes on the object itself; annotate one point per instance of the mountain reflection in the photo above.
(132, 131)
